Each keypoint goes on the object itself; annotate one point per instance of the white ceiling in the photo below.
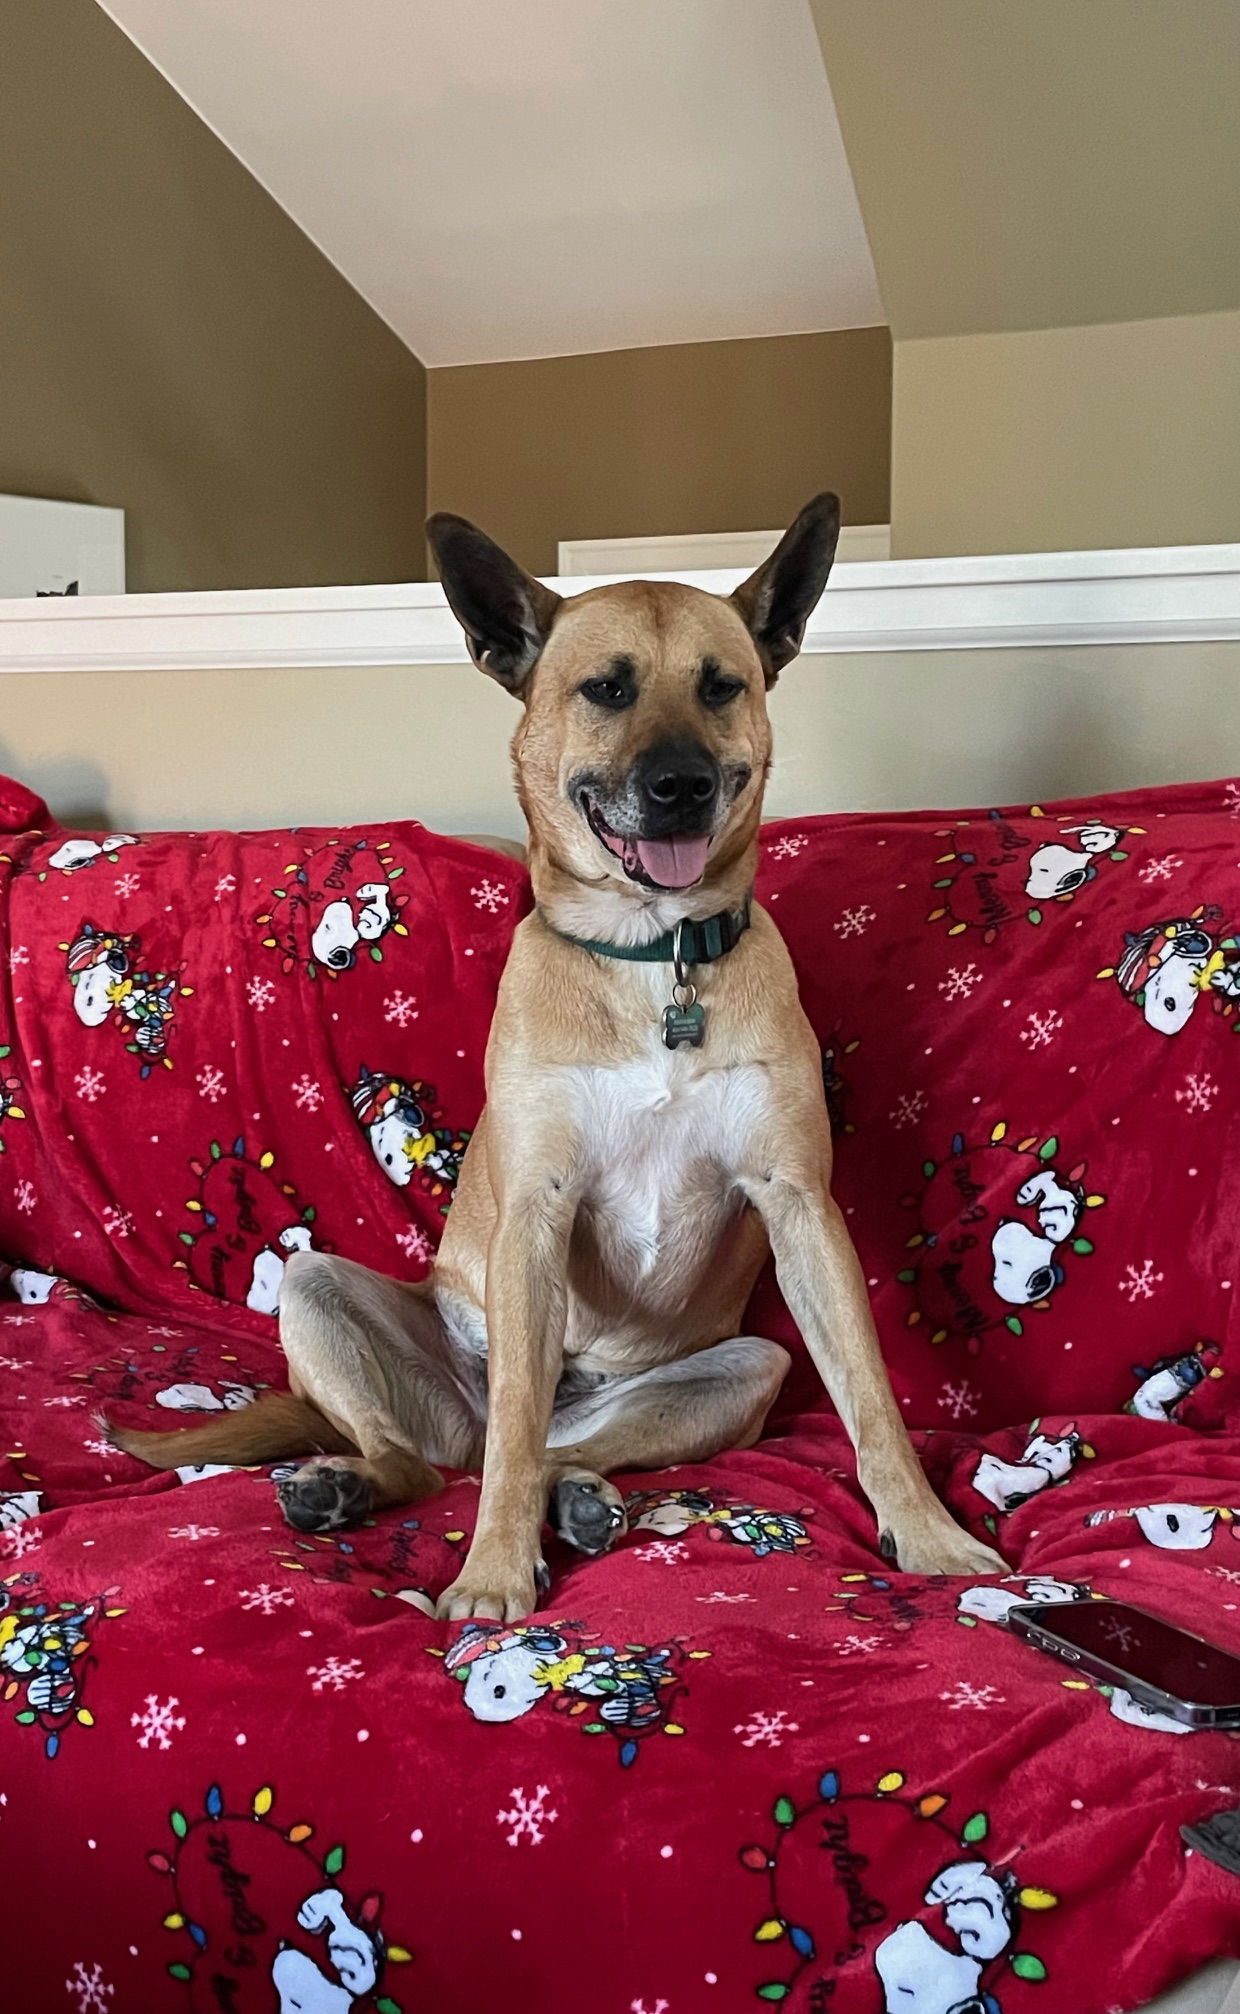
(526, 178)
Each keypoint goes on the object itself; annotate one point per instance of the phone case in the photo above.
(1029, 1622)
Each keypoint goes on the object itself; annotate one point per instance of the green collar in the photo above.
(687, 944)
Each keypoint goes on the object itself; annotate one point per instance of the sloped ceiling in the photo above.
(1027, 164)
(527, 178)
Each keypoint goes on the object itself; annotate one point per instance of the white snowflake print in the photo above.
(90, 1084)
(964, 1694)
(195, 1531)
(170, 1334)
(1040, 1030)
(25, 1197)
(640, 2007)
(960, 981)
(415, 1244)
(855, 922)
(665, 1550)
(90, 1989)
(491, 896)
(959, 1400)
(20, 1322)
(1161, 869)
(266, 1599)
(1230, 1573)
(765, 1729)
(719, 1595)
(15, 1363)
(126, 885)
(334, 1673)
(401, 1008)
(99, 1447)
(210, 1082)
(307, 1095)
(19, 955)
(1139, 1282)
(789, 846)
(857, 1646)
(1231, 798)
(1198, 1093)
(116, 1222)
(21, 1539)
(67, 1399)
(907, 1109)
(260, 993)
(225, 886)
(528, 1816)
(158, 1721)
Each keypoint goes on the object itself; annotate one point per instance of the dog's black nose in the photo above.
(1041, 1282)
(678, 782)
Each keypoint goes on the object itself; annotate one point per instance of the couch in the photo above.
(739, 1761)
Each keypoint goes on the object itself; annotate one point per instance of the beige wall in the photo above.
(171, 342)
(1118, 434)
(1023, 165)
(691, 437)
(258, 748)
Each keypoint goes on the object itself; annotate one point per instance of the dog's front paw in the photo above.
(497, 1590)
(938, 1545)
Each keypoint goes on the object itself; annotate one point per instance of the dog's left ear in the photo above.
(776, 602)
(505, 613)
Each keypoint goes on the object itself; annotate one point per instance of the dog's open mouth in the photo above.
(660, 863)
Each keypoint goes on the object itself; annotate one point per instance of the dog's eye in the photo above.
(615, 693)
(715, 687)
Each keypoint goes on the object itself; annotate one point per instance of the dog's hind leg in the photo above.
(684, 1411)
(372, 1355)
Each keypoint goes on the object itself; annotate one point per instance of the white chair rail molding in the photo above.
(1173, 594)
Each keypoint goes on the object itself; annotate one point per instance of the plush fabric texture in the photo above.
(737, 1762)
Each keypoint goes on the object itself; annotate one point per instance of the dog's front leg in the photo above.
(527, 1300)
(821, 1279)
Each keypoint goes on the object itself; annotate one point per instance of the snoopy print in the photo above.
(505, 1672)
(337, 905)
(1002, 870)
(995, 1225)
(397, 1118)
(353, 1954)
(1168, 968)
(976, 1906)
(1057, 869)
(73, 854)
(1048, 1458)
(1166, 1383)
(1174, 1527)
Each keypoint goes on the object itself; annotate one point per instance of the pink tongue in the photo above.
(673, 863)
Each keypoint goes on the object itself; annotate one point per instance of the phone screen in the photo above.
(1147, 1648)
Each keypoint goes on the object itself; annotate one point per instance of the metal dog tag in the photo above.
(685, 1019)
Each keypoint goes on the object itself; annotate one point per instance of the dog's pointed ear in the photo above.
(505, 613)
(776, 602)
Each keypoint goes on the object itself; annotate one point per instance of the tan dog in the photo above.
(618, 1196)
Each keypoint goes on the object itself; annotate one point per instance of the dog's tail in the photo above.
(274, 1426)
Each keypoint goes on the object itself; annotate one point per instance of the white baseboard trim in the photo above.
(1174, 594)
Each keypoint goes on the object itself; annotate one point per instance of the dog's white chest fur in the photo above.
(660, 1139)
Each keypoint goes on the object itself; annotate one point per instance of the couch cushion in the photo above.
(222, 1041)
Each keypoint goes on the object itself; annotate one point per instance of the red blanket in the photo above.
(737, 1761)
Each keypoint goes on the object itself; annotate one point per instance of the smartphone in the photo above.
(1162, 1667)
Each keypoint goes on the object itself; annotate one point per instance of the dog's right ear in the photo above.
(505, 613)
